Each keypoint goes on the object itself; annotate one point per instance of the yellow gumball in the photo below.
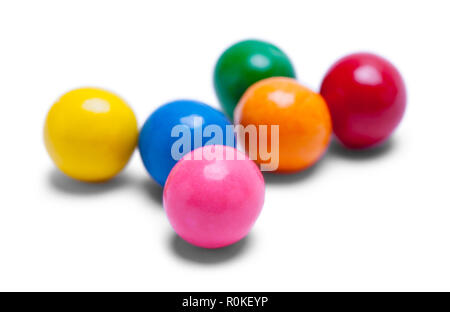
(90, 134)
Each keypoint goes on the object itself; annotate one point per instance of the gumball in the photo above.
(302, 117)
(367, 99)
(177, 128)
(90, 134)
(213, 196)
(245, 63)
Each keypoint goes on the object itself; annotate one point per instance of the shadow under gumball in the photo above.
(282, 178)
(199, 255)
(153, 190)
(337, 149)
(64, 184)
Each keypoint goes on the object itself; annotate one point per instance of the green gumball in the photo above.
(245, 63)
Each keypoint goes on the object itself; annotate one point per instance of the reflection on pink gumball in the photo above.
(214, 201)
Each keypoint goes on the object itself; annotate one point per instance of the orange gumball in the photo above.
(302, 116)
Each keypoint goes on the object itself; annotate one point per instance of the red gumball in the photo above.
(366, 96)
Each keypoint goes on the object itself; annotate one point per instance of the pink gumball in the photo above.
(213, 196)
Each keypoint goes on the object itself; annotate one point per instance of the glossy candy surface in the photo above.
(213, 202)
(367, 99)
(245, 63)
(90, 134)
(156, 140)
(302, 115)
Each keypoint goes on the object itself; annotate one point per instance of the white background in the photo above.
(378, 220)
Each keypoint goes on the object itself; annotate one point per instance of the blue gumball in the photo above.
(177, 128)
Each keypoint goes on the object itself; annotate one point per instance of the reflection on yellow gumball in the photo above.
(90, 134)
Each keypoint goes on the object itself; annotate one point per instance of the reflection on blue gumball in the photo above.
(177, 128)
